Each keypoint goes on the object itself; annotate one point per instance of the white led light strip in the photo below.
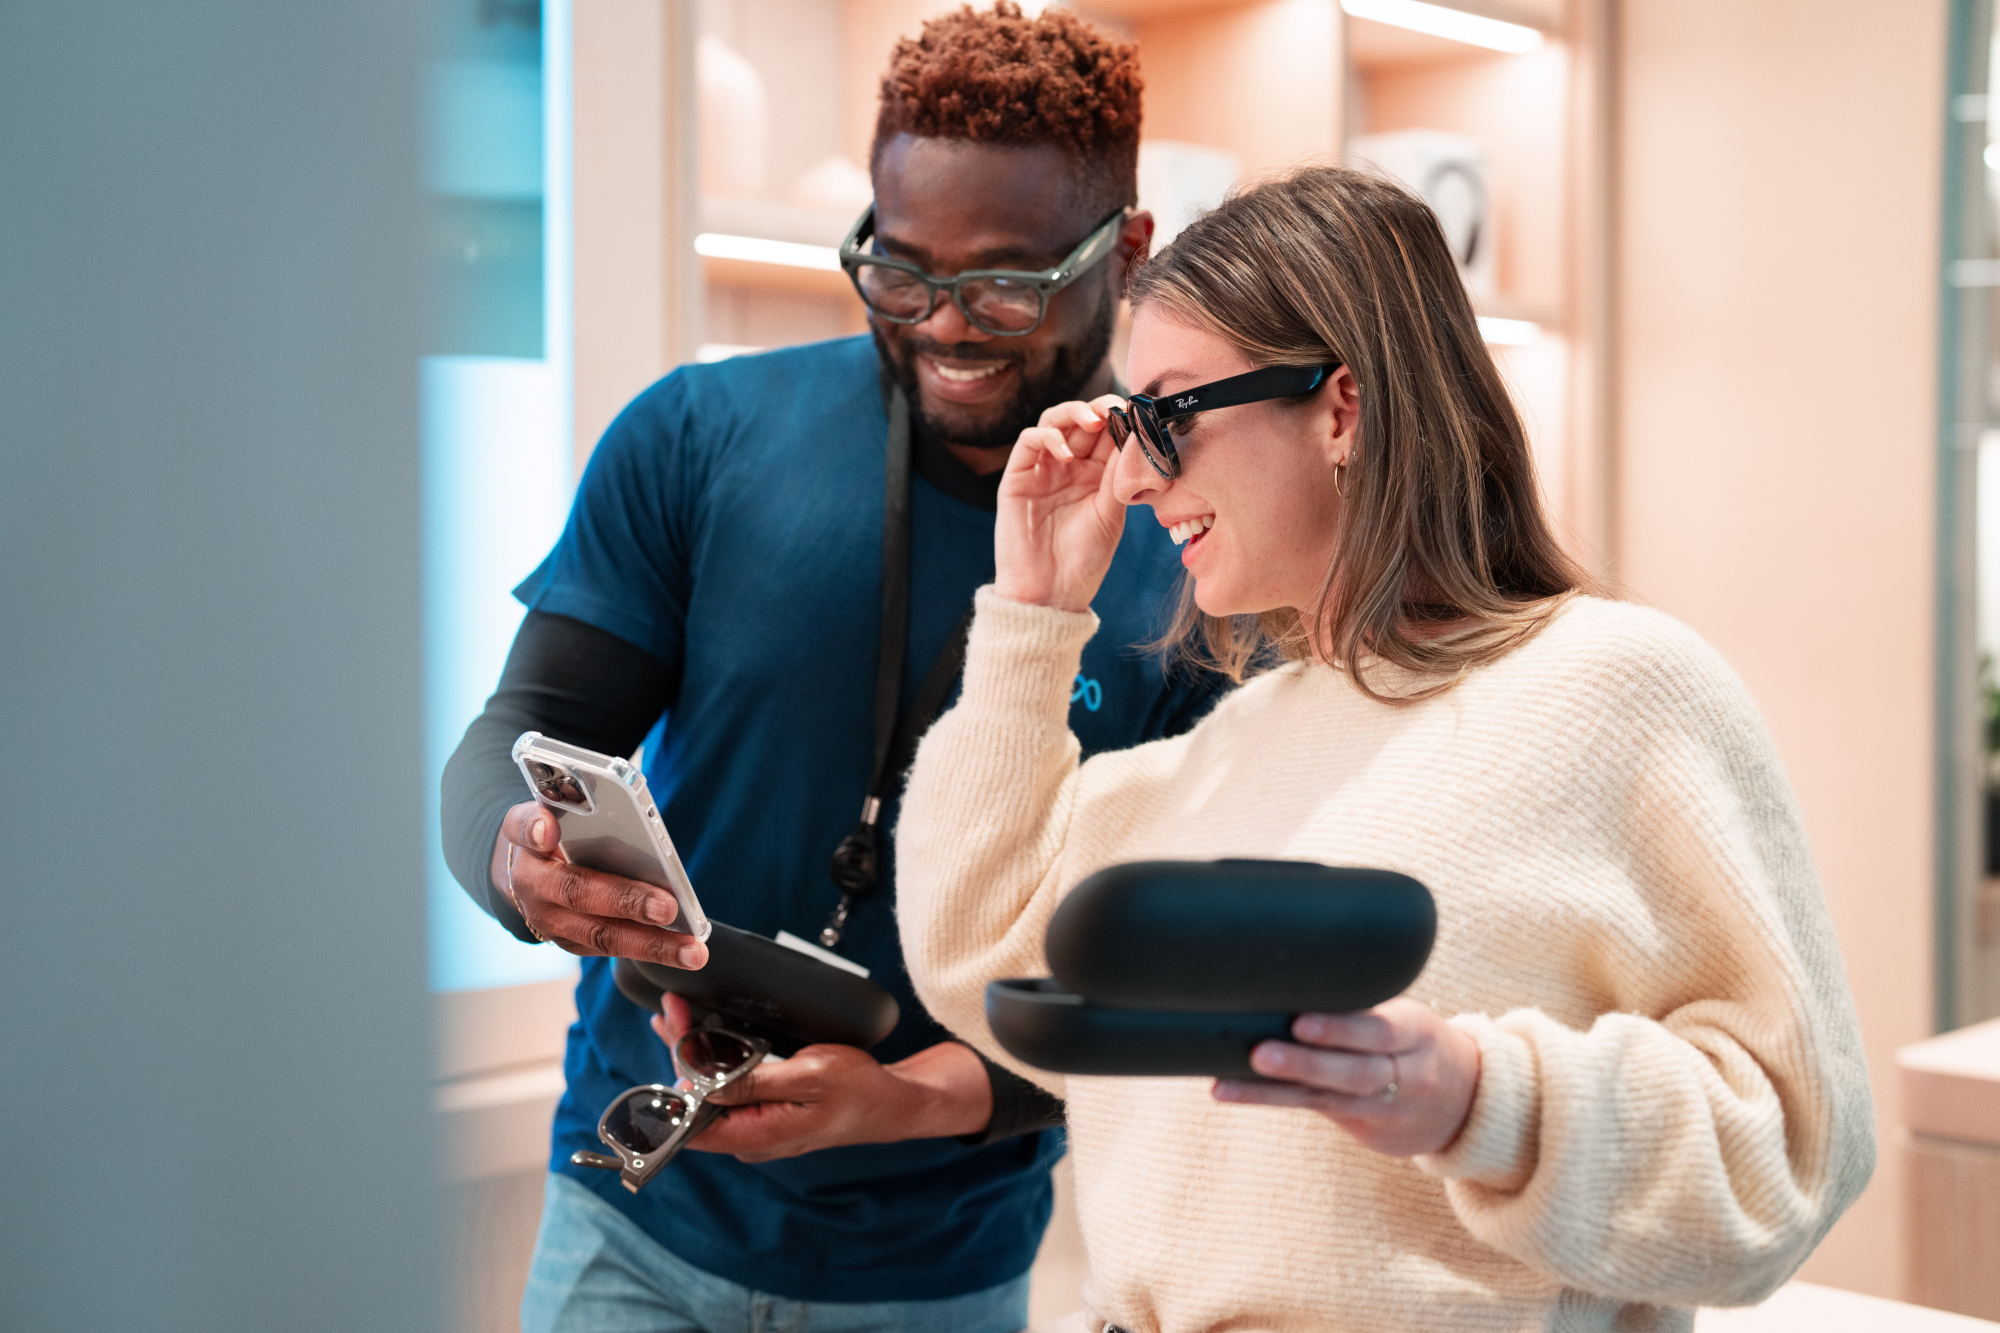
(756, 250)
(1508, 332)
(708, 352)
(1453, 24)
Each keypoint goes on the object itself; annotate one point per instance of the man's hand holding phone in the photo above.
(584, 911)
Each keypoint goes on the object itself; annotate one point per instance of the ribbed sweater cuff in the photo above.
(1497, 1145)
(1024, 659)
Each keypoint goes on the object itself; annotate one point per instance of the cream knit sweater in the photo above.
(1672, 1106)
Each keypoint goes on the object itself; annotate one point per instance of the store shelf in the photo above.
(773, 222)
(1249, 78)
(741, 273)
(756, 220)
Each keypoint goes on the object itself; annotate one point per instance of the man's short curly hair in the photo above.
(1000, 77)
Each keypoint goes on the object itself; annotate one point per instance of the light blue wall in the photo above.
(214, 1048)
(496, 490)
(498, 456)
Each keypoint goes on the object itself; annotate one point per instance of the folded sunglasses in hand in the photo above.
(648, 1125)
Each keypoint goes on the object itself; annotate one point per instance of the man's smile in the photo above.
(969, 382)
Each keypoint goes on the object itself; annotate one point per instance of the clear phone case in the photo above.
(608, 819)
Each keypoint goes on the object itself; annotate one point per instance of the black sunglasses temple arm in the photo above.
(1254, 386)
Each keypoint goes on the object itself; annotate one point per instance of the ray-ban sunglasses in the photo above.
(1151, 419)
(647, 1126)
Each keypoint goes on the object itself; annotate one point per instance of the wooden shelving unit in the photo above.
(1274, 83)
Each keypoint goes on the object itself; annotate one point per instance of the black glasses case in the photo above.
(757, 985)
(1179, 968)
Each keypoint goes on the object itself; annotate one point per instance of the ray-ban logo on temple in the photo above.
(1187, 401)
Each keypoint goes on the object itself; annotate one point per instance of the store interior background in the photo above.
(1737, 288)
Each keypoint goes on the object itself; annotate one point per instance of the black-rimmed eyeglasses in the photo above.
(1005, 302)
(1151, 419)
(648, 1125)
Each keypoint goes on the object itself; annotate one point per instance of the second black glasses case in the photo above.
(757, 985)
(1177, 968)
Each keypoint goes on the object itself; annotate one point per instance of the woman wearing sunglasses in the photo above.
(1629, 1082)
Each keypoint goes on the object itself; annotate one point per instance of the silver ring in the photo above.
(1388, 1093)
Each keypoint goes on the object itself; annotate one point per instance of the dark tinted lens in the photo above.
(645, 1118)
(894, 292)
(1146, 429)
(1121, 427)
(713, 1054)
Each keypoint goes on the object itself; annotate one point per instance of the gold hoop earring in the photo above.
(1339, 468)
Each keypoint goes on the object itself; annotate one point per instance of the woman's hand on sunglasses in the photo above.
(583, 911)
(829, 1096)
(1397, 1077)
(1059, 520)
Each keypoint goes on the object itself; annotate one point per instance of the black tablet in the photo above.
(782, 994)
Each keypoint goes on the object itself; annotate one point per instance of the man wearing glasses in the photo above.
(725, 593)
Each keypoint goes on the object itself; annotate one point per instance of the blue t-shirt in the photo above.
(730, 524)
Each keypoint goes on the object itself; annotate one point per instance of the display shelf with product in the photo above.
(777, 193)
(1501, 126)
(1506, 139)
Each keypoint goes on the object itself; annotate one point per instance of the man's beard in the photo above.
(1069, 372)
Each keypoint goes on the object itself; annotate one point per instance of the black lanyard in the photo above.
(854, 861)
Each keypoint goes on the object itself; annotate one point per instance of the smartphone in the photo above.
(608, 819)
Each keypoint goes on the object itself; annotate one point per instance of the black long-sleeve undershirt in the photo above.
(563, 677)
(580, 684)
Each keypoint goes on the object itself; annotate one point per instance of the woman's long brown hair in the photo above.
(1444, 560)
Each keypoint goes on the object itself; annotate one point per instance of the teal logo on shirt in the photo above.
(1089, 691)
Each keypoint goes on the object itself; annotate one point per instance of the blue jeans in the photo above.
(595, 1272)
